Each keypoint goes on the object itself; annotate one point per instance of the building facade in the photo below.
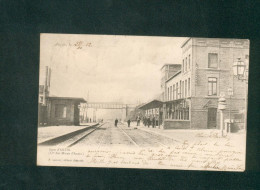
(63, 110)
(191, 94)
(44, 91)
(167, 71)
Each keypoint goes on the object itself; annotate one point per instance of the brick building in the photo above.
(154, 108)
(191, 94)
(167, 71)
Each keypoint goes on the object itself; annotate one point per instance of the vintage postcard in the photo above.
(143, 102)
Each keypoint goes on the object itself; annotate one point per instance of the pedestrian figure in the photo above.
(153, 121)
(138, 120)
(116, 121)
(128, 122)
(148, 122)
(144, 121)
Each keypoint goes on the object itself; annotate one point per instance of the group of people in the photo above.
(147, 121)
(128, 122)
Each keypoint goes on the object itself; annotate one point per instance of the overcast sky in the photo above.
(111, 68)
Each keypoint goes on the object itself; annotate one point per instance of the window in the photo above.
(189, 87)
(212, 86)
(189, 62)
(183, 65)
(182, 89)
(186, 64)
(60, 111)
(168, 94)
(171, 93)
(185, 88)
(177, 90)
(213, 60)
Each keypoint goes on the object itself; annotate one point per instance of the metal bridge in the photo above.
(89, 110)
(106, 105)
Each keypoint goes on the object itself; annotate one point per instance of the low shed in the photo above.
(63, 110)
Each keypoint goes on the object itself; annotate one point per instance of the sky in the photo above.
(107, 68)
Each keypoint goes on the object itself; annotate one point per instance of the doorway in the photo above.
(212, 118)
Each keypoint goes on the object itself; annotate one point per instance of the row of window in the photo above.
(182, 89)
(179, 90)
(186, 64)
(178, 114)
(212, 61)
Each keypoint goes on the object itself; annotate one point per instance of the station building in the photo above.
(190, 96)
(63, 110)
(154, 108)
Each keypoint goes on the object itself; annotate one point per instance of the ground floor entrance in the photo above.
(212, 118)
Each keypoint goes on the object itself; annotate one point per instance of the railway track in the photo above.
(131, 139)
(150, 133)
(136, 137)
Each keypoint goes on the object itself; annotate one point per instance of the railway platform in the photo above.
(50, 132)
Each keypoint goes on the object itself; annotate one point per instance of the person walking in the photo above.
(144, 121)
(116, 121)
(148, 122)
(138, 120)
(128, 122)
(153, 121)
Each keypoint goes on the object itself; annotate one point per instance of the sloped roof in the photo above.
(151, 104)
(67, 98)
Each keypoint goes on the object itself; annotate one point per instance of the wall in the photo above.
(69, 120)
(171, 124)
(228, 51)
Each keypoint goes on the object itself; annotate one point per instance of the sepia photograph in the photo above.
(148, 102)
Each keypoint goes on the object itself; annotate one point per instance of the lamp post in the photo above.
(230, 93)
(240, 71)
(221, 107)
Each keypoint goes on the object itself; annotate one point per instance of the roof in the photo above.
(151, 104)
(67, 98)
(169, 64)
(173, 76)
(185, 42)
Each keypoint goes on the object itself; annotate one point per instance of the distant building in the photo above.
(191, 94)
(167, 71)
(63, 110)
(44, 91)
(153, 109)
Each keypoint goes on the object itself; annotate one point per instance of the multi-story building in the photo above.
(191, 94)
(167, 71)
